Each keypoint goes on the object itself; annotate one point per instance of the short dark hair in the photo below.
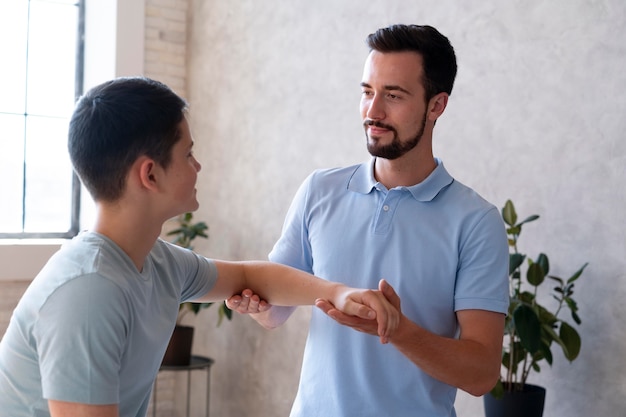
(437, 53)
(115, 123)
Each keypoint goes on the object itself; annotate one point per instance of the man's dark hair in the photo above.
(435, 49)
(115, 123)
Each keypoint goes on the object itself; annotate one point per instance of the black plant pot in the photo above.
(525, 403)
(178, 352)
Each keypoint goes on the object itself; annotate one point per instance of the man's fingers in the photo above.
(389, 293)
(367, 311)
(340, 317)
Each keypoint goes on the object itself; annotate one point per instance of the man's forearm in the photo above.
(471, 364)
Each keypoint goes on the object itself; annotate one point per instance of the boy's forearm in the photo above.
(277, 284)
(281, 285)
(274, 317)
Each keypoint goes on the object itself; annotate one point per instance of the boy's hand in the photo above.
(247, 303)
(385, 303)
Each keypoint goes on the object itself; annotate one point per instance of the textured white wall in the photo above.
(537, 115)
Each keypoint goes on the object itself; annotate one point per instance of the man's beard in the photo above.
(396, 148)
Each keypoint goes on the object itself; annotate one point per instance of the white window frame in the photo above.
(114, 47)
(28, 231)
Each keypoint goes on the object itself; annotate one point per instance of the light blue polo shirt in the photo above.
(440, 245)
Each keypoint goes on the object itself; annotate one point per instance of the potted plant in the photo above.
(178, 352)
(532, 327)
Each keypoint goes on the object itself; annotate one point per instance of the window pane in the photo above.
(13, 29)
(39, 40)
(51, 58)
(11, 172)
(48, 175)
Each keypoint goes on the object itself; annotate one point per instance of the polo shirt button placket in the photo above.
(385, 214)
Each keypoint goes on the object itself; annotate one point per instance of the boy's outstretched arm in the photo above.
(281, 285)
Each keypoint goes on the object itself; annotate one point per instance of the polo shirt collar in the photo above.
(363, 181)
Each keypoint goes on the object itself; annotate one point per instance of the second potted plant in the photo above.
(532, 327)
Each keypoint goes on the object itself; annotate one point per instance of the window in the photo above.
(41, 77)
(114, 47)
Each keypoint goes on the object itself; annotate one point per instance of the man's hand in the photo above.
(386, 304)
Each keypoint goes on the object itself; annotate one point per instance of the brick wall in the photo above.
(165, 59)
(10, 293)
(166, 43)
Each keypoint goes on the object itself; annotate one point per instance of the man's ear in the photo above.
(437, 105)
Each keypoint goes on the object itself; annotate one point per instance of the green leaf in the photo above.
(195, 307)
(557, 279)
(528, 327)
(578, 273)
(542, 260)
(571, 304)
(508, 213)
(529, 219)
(546, 316)
(224, 311)
(535, 274)
(515, 261)
(227, 311)
(549, 334)
(527, 297)
(513, 230)
(546, 353)
(571, 341)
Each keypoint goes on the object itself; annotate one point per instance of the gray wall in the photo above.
(537, 115)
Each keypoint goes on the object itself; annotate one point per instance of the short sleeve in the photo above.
(294, 248)
(197, 275)
(482, 279)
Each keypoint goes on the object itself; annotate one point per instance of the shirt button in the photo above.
(386, 207)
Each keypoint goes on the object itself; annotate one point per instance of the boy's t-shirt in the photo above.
(93, 329)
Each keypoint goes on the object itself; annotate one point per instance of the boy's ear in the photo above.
(147, 170)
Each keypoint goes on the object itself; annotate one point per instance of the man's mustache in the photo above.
(370, 122)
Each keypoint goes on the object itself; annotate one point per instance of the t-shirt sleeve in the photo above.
(80, 348)
(293, 248)
(197, 274)
(482, 278)
(191, 275)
